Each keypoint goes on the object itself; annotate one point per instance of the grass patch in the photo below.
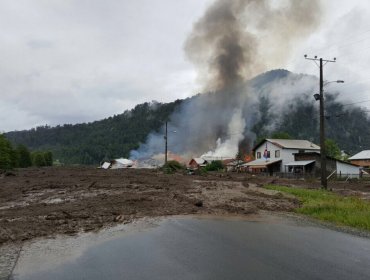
(327, 206)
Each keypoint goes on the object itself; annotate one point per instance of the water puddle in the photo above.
(199, 248)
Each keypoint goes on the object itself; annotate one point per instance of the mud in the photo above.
(50, 201)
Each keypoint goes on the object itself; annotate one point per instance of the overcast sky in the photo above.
(71, 61)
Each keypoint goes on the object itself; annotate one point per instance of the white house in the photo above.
(271, 155)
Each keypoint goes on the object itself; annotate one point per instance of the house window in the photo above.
(258, 154)
(277, 154)
(268, 154)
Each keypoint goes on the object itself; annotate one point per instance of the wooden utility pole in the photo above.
(324, 181)
(165, 151)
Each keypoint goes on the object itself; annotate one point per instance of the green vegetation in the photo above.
(332, 149)
(24, 156)
(21, 156)
(40, 159)
(90, 143)
(327, 206)
(214, 166)
(6, 155)
(280, 135)
(172, 166)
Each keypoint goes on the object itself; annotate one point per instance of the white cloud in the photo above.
(67, 61)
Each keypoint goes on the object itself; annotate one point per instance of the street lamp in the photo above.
(320, 97)
(317, 95)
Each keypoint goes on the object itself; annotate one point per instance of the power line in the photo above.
(346, 40)
(363, 101)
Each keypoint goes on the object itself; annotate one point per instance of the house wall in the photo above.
(286, 155)
(361, 162)
(193, 164)
(272, 148)
(345, 169)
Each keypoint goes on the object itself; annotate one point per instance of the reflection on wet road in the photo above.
(191, 248)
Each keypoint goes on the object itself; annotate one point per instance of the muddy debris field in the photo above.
(49, 201)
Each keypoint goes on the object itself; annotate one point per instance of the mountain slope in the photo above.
(89, 143)
(276, 101)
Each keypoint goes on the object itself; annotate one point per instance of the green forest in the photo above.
(19, 156)
(90, 143)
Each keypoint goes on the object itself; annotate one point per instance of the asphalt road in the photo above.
(189, 248)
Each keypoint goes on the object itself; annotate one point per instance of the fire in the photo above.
(248, 158)
(172, 156)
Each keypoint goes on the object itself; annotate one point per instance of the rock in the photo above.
(119, 218)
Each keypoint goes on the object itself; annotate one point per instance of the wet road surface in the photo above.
(192, 248)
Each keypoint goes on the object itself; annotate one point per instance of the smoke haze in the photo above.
(233, 42)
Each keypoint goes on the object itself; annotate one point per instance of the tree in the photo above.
(24, 156)
(281, 135)
(239, 155)
(332, 149)
(7, 154)
(215, 165)
(38, 159)
(48, 156)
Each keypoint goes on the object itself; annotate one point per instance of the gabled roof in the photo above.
(199, 160)
(361, 155)
(214, 158)
(290, 144)
(124, 161)
(327, 157)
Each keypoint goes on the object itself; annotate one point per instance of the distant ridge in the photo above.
(116, 136)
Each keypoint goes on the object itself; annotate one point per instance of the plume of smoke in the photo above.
(235, 135)
(232, 42)
(238, 39)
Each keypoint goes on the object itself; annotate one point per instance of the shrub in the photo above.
(214, 166)
(172, 166)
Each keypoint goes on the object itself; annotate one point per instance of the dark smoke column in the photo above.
(238, 39)
(220, 46)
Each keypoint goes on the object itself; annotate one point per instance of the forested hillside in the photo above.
(90, 143)
(296, 115)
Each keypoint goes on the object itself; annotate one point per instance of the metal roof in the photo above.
(260, 162)
(214, 158)
(294, 144)
(300, 163)
(361, 155)
(199, 160)
(124, 161)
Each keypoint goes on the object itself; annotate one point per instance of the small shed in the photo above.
(342, 168)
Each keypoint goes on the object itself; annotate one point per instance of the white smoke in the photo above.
(229, 147)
